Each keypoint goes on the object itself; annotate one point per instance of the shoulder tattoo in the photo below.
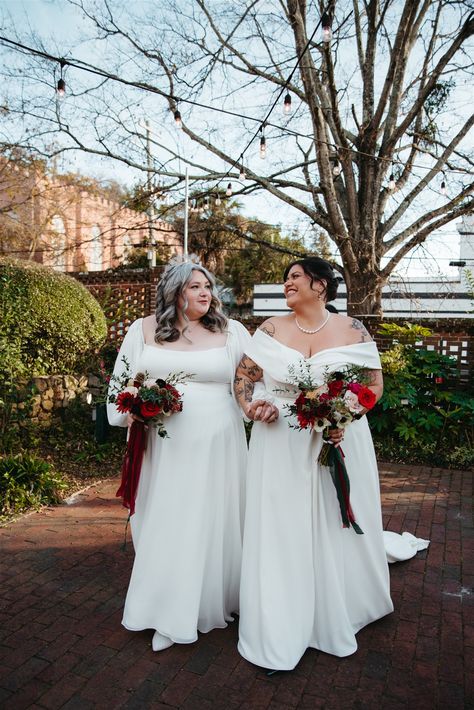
(268, 328)
(364, 333)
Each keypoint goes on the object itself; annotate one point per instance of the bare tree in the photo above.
(380, 113)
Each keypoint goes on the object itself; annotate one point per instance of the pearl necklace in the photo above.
(312, 332)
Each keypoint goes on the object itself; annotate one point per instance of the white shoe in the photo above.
(160, 642)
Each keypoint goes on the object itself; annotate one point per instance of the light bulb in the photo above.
(61, 88)
(242, 175)
(326, 27)
(337, 169)
(263, 147)
(287, 105)
(218, 200)
(391, 183)
(228, 192)
(443, 188)
(177, 119)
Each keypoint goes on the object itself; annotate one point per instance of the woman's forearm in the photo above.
(244, 381)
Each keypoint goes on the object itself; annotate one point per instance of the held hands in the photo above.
(262, 411)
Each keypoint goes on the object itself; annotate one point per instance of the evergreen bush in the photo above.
(49, 323)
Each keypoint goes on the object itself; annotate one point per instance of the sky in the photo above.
(57, 22)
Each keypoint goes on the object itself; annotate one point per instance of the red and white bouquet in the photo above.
(150, 400)
(341, 398)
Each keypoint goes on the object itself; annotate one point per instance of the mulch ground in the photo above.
(63, 578)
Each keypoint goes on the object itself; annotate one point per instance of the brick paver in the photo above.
(62, 585)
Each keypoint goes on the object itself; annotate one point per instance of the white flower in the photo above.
(352, 403)
(342, 419)
(149, 383)
(321, 424)
(133, 390)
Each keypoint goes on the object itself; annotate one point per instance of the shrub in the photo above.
(49, 322)
(27, 482)
(423, 410)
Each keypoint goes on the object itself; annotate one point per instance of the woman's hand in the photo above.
(133, 418)
(336, 436)
(262, 411)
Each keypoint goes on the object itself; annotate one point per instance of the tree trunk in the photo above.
(364, 293)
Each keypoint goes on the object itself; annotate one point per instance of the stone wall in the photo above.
(53, 393)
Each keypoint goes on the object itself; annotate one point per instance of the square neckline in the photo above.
(175, 350)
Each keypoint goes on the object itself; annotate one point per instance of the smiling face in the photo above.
(298, 289)
(198, 295)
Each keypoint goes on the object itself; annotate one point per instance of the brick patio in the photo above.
(62, 585)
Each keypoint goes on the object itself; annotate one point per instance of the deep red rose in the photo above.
(354, 387)
(125, 401)
(148, 410)
(366, 397)
(335, 387)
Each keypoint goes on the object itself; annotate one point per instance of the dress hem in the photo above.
(173, 638)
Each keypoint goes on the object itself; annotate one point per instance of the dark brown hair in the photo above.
(318, 270)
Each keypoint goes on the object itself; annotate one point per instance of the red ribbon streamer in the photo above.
(132, 465)
(341, 482)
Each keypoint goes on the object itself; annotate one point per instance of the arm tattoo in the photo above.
(250, 369)
(248, 391)
(364, 333)
(268, 328)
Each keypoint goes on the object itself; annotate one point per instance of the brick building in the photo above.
(70, 223)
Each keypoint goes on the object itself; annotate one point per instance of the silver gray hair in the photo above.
(171, 286)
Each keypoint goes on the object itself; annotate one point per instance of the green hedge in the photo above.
(49, 323)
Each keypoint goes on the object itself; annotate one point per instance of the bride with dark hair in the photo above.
(187, 525)
(307, 581)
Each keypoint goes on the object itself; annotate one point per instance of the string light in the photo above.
(327, 36)
(337, 167)
(99, 72)
(444, 191)
(392, 185)
(326, 27)
(61, 87)
(177, 119)
(263, 143)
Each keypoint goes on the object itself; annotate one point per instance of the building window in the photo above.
(58, 244)
(96, 251)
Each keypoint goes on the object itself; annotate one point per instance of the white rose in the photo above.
(149, 383)
(133, 390)
(351, 401)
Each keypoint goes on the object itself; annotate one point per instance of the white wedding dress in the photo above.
(187, 526)
(306, 580)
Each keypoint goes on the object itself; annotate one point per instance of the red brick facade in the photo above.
(70, 223)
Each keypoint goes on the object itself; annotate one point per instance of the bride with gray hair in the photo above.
(187, 525)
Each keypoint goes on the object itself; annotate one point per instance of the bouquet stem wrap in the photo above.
(132, 464)
(333, 457)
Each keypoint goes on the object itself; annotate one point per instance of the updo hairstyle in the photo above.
(318, 270)
(171, 286)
